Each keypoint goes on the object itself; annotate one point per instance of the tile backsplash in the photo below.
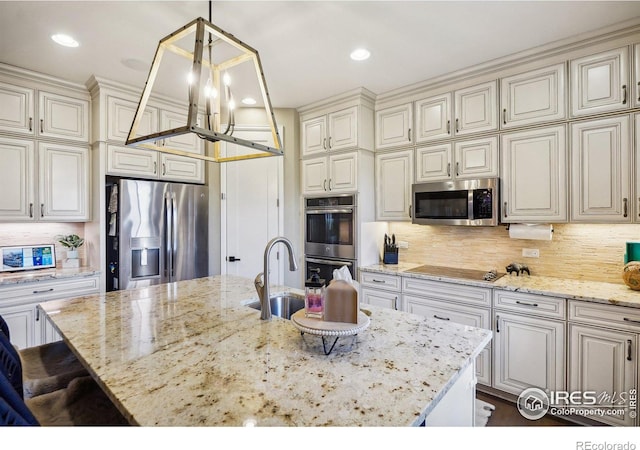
(583, 252)
(14, 234)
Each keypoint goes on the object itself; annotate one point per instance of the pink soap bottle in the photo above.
(314, 296)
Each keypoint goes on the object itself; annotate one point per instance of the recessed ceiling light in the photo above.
(65, 40)
(249, 101)
(360, 54)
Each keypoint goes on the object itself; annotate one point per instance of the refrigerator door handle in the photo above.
(174, 230)
(168, 262)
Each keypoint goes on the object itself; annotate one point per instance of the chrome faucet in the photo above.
(262, 279)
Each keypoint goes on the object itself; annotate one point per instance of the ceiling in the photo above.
(304, 46)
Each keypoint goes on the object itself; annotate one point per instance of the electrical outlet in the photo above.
(531, 253)
(403, 244)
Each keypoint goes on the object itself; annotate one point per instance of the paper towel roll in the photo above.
(538, 232)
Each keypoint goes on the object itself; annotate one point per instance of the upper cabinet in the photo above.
(636, 75)
(433, 118)
(58, 116)
(600, 82)
(394, 176)
(343, 129)
(533, 97)
(394, 126)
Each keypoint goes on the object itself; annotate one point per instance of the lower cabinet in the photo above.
(381, 290)
(457, 406)
(19, 307)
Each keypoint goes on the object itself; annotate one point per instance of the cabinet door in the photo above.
(476, 108)
(63, 117)
(64, 182)
(188, 142)
(22, 324)
(393, 126)
(533, 97)
(528, 352)
(603, 361)
(433, 118)
(314, 136)
(477, 158)
(314, 175)
(16, 109)
(120, 117)
(600, 82)
(636, 74)
(17, 182)
(47, 332)
(600, 165)
(135, 162)
(343, 129)
(181, 168)
(534, 176)
(433, 163)
(385, 299)
(394, 176)
(343, 172)
(637, 168)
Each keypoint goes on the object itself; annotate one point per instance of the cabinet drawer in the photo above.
(48, 290)
(540, 305)
(380, 281)
(456, 313)
(440, 290)
(621, 317)
(385, 299)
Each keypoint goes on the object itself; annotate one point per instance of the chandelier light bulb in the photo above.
(190, 78)
(226, 79)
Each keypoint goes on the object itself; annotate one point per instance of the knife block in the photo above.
(341, 302)
(390, 257)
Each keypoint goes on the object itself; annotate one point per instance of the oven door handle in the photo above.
(329, 211)
(326, 261)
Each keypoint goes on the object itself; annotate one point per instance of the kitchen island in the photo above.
(192, 353)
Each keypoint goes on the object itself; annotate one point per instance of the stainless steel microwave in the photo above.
(462, 202)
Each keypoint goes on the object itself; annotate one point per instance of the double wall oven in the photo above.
(330, 235)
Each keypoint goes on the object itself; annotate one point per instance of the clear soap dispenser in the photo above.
(314, 296)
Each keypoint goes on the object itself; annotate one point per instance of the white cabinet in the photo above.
(457, 407)
(331, 132)
(58, 116)
(637, 169)
(603, 352)
(393, 126)
(534, 176)
(64, 185)
(600, 82)
(601, 170)
(533, 97)
(133, 162)
(433, 117)
(466, 305)
(636, 75)
(394, 176)
(17, 182)
(529, 347)
(120, 114)
(476, 158)
(335, 173)
(476, 108)
(381, 290)
(19, 306)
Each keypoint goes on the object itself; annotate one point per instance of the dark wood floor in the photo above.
(507, 415)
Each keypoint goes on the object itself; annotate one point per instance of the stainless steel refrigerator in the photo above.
(157, 233)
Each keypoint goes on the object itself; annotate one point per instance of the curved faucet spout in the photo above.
(262, 280)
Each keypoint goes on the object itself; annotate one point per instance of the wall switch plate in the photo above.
(403, 244)
(531, 253)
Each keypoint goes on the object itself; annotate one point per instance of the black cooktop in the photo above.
(455, 272)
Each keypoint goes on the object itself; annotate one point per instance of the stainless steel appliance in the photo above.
(330, 234)
(158, 233)
(462, 202)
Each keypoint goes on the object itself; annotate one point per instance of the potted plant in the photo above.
(72, 242)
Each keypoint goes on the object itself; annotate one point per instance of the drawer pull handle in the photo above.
(626, 319)
(624, 207)
(628, 349)
(526, 303)
(41, 125)
(30, 209)
(43, 291)
(30, 123)
(395, 303)
(504, 116)
(441, 318)
(448, 169)
(457, 126)
(497, 324)
(449, 124)
(378, 281)
(624, 94)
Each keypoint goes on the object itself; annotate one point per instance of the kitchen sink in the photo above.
(282, 305)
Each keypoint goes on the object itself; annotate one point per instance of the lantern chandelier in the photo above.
(211, 63)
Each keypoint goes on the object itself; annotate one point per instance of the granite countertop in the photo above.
(31, 276)
(192, 353)
(592, 291)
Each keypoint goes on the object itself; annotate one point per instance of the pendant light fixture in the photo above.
(213, 66)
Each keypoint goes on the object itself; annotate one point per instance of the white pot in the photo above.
(72, 254)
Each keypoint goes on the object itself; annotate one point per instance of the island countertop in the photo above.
(192, 353)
